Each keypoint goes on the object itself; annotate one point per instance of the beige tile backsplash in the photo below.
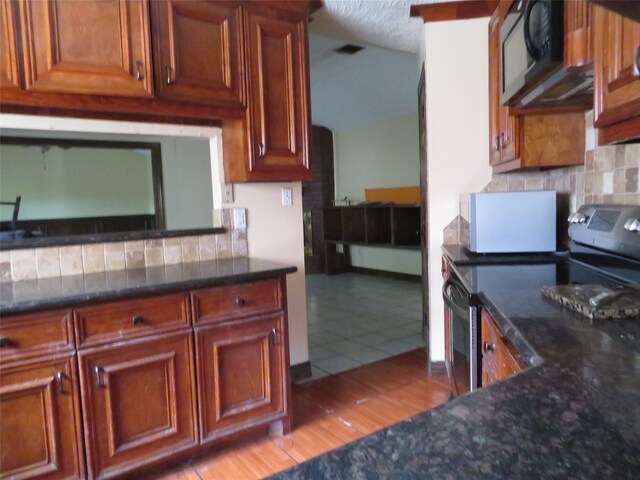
(29, 264)
(609, 175)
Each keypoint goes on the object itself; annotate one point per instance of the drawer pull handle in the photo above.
(488, 347)
(60, 379)
(275, 337)
(99, 382)
(168, 78)
(137, 319)
(636, 63)
(139, 76)
(4, 342)
(241, 302)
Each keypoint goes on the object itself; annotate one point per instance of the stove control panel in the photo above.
(614, 228)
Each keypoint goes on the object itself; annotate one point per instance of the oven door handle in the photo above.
(457, 309)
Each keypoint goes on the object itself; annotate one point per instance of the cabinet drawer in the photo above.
(235, 301)
(24, 336)
(114, 321)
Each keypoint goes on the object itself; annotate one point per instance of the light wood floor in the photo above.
(327, 413)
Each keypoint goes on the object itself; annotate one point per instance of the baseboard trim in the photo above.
(383, 273)
(438, 367)
(300, 371)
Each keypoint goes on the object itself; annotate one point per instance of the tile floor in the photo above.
(327, 414)
(357, 319)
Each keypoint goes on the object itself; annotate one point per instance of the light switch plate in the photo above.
(287, 197)
(240, 218)
(227, 192)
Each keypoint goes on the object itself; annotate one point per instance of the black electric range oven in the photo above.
(594, 258)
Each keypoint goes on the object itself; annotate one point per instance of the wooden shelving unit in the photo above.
(379, 225)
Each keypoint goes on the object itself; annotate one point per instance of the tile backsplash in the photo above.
(29, 264)
(609, 175)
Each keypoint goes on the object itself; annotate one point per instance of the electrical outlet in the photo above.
(240, 218)
(227, 192)
(287, 197)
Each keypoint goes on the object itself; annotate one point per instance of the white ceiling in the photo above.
(375, 84)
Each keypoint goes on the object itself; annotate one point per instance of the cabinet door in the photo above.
(503, 127)
(495, 109)
(197, 51)
(138, 401)
(616, 68)
(240, 375)
(9, 69)
(92, 47)
(279, 116)
(40, 429)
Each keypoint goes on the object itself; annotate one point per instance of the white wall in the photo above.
(186, 158)
(457, 138)
(379, 155)
(275, 233)
(76, 182)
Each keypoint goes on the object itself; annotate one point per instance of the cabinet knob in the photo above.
(4, 342)
(139, 76)
(168, 78)
(636, 63)
(241, 302)
(137, 319)
(488, 347)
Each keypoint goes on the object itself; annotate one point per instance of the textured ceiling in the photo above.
(384, 23)
(374, 84)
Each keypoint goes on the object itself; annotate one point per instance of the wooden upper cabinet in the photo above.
(241, 380)
(96, 47)
(40, 428)
(503, 127)
(578, 45)
(616, 76)
(198, 52)
(279, 116)
(9, 72)
(138, 402)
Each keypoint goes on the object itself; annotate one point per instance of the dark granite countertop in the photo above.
(573, 414)
(30, 295)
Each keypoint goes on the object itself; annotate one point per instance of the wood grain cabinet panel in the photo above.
(40, 427)
(616, 76)
(9, 71)
(198, 51)
(519, 141)
(97, 47)
(138, 401)
(35, 334)
(240, 375)
(121, 320)
(236, 301)
(499, 358)
(272, 142)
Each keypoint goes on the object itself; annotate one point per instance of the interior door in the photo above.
(138, 401)
(97, 47)
(240, 376)
(424, 211)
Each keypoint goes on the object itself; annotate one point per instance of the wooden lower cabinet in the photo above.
(499, 357)
(241, 377)
(138, 401)
(40, 426)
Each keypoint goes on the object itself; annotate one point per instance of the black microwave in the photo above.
(532, 46)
